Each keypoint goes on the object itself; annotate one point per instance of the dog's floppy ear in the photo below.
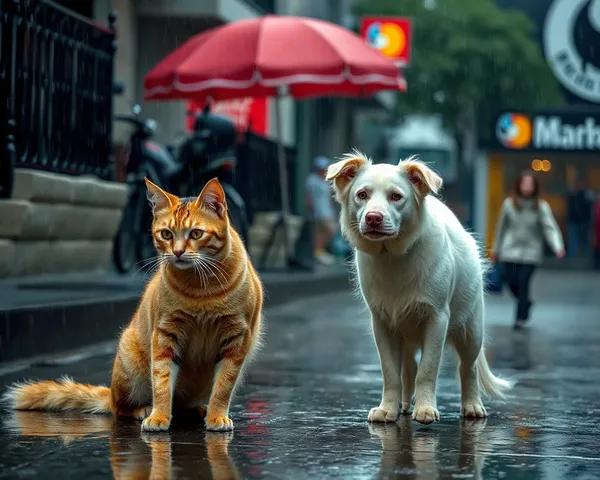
(423, 178)
(341, 173)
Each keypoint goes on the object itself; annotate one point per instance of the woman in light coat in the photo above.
(526, 223)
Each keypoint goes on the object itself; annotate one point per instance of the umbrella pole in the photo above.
(283, 180)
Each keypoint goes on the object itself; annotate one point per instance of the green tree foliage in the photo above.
(470, 54)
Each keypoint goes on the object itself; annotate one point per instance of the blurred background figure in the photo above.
(580, 205)
(597, 232)
(321, 212)
(525, 223)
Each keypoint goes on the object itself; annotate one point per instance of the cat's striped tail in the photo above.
(58, 396)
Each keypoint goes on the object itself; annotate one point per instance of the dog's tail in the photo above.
(488, 382)
(60, 396)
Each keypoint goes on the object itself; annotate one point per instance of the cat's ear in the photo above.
(158, 198)
(212, 197)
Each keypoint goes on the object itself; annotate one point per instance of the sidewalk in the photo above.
(55, 313)
(309, 391)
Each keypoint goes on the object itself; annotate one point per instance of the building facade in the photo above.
(561, 144)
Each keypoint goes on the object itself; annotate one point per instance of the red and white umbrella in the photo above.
(259, 57)
(273, 56)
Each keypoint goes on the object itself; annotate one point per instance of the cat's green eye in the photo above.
(196, 234)
(166, 234)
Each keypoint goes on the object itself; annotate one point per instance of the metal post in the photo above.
(7, 164)
(283, 179)
(111, 167)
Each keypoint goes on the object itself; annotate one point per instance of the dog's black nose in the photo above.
(374, 218)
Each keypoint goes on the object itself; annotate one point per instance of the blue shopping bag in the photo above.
(494, 278)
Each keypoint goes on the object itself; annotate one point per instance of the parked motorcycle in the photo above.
(211, 151)
(133, 242)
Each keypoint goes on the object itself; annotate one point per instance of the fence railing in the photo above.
(56, 77)
(257, 174)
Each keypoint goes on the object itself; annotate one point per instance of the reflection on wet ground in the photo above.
(80, 445)
(302, 410)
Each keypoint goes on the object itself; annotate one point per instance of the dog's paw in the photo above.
(406, 407)
(142, 413)
(425, 414)
(473, 410)
(156, 423)
(218, 423)
(382, 415)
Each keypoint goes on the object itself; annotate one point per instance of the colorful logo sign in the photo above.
(390, 35)
(514, 130)
(571, 39)
(548, 131)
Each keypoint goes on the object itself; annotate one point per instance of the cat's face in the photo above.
(189, 231)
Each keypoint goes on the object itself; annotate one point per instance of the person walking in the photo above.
(597, 233)
(319, 202)
(526, 222)
(579, 217)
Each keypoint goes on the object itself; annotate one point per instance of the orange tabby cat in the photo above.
(197, 323)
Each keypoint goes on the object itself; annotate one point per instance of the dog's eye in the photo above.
(396, 197)
(362, 195)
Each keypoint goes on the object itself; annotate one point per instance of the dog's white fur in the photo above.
(421, 275)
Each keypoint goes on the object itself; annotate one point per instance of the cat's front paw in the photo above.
(218, 423)
(156, 423)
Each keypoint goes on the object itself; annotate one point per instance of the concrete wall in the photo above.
(58, 223)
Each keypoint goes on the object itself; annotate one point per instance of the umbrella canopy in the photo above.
(257, 57)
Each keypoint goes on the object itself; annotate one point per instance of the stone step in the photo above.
(59, 223)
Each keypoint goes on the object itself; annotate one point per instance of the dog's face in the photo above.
(380, 203)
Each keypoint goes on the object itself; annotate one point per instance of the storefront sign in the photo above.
(572, 46)
(548, 131)
(246, 113)
(392, 36)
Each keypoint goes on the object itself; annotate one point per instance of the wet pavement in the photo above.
(302, 410)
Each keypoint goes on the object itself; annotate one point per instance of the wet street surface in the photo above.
(302, 410)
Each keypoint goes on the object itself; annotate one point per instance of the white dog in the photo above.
(421, 275)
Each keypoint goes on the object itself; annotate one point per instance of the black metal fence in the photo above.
(56, 77)
(257, 174)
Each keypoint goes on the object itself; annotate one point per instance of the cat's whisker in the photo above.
(210, 269)
(196, 268)
(150, 264)
(213, 263)
(146, 262)
(201, 271)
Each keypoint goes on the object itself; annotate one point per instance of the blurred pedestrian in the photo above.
(597, 233)
(579, 218)
(525, 222)
(321, 210)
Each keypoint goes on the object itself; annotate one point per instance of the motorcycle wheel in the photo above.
(124, 251)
